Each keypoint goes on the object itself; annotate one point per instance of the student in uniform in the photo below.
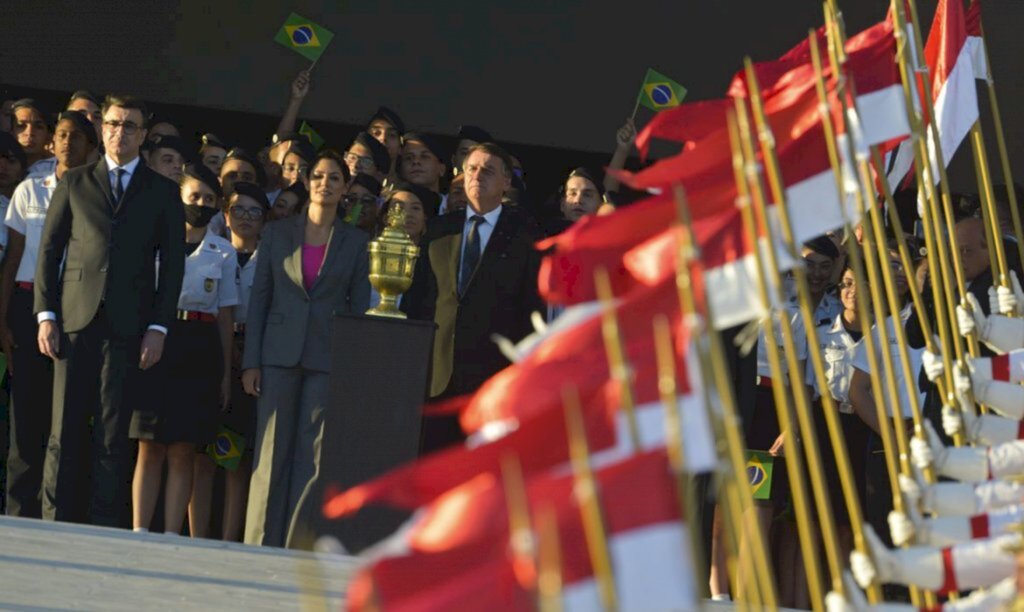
(366, 155)
(32, 130)
(183, 394)
(212, 152)
(289, 202)
(247, 213)
(295, 164)
(32, 387)
(361, 204)
(387, 128)
(310, 267)
(837, 341)
(167, 155)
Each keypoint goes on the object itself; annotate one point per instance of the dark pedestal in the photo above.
(379, 377)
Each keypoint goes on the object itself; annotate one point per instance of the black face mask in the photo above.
(199, 216)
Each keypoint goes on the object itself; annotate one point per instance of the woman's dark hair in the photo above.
(334, 156)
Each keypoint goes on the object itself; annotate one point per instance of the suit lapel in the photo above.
(444, 258)
(102, 175)
(293, 261)
(134, 185)
(334, 243)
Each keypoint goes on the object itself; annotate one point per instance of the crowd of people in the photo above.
(155, 294)
(160, 301)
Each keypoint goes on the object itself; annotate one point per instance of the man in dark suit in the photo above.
(103, 315)
(476, 276)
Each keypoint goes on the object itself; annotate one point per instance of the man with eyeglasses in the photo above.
(103, 310)
(32, 388)
(367, 156)
(33, 133)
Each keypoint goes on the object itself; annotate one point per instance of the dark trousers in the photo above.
(30, 410)
(95, 377)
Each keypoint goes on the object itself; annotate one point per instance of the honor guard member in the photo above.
(469, 136)
(247, 212)
(32, 388)
(212, 152)
(167, 157)
(387, 127)
(367, 156)
(32, 130)
(185, 392)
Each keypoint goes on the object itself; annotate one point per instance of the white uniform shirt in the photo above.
(838, 349)
(905, 387)
(828, 308)
(43, 167)
(26, 215)
(246, 275)
(211, 275)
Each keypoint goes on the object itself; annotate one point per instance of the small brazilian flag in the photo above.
(315, 139)
(660, 92)
(227, 448)
(759, 471)
(304, 37)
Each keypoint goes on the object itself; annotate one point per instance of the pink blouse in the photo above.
(312, 259)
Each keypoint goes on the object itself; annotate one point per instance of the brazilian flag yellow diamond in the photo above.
(660, 92)
(304, 36)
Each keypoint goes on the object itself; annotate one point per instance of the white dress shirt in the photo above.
(484, 231)
(126, 179)
(26, 215)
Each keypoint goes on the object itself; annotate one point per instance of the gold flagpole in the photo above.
(988, 206)
(724, 424)
(520, 533)
(676, 448)
(1004, 158)
(549, 561)
(779, 388)
(589, 501)
(774, 175)
(617, 365)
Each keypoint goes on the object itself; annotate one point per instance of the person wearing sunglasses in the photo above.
(181, 399)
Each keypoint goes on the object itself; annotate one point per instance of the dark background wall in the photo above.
(552, 79)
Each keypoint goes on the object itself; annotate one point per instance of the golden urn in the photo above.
(392, 261)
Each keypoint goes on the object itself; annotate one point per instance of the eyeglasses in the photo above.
(240, 212)
(359, 161)
(352, 199)
(847, 285)
(127, 127)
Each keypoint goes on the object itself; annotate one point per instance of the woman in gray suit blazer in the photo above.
(310, 266)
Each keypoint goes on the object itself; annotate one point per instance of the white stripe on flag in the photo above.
(976, 46)
(653, 571)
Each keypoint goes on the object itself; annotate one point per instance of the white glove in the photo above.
(834, 602)
(1013, 365)
(1017, 292)
(1005, 302)
(973, 320)
(902, 529)
(952, 422)
(999, 596)
(918, 565)
(965, 464)
(944, 498)
(933, 366)
(1004, 397)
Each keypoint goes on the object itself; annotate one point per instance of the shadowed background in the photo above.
(553, 80)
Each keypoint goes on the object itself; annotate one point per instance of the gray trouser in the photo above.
(289, 427)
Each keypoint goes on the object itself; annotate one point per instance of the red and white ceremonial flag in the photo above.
(457, 549)
(976, 41)
(951, 64)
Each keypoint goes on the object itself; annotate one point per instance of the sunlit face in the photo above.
(245, 216)
(359, 159)
(368, 205)
(91, 111)
(167, 162)
(970, 237)
(197, 193)
(848, 291)
(234, 170)
(293, 169)
(899, 275)
(415, 216)
(819, 270)
(123, 132)
(387, 135)
(327, 183)
(457, 199)
(31, 131)
(420, 166)
(486, 181)
(581, 198)
(70, 145)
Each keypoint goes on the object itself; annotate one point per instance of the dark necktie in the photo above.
(118, 185)
(471, 255)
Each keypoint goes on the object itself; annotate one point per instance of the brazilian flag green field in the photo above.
(304, 36)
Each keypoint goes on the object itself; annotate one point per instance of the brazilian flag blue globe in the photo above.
(304, 36)
(660, 92)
